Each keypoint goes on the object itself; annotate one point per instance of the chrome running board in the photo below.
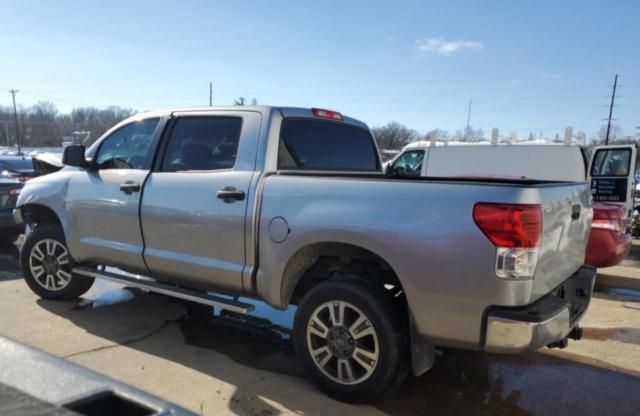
(166, 289)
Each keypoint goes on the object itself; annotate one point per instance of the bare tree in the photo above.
(437, 134)
(615, 133)
(394, 136)
(469, 135)
(43, 125)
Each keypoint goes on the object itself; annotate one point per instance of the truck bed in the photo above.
(381, 176)
(424, 229)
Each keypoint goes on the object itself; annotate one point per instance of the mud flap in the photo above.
(422, 352)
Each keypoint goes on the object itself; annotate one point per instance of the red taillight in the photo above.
(510, 225)
(17, 176)
(332, 115)
(609, 218)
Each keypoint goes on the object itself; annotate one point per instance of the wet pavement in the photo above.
(9, 262)
(460, 383)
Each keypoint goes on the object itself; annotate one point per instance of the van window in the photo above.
(309, 144)
(611, 162)
(408, 164)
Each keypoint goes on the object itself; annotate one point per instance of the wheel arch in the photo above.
(36, 215)
(343, 255)
(339, 257)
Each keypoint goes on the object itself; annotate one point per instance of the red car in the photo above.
(610, 238)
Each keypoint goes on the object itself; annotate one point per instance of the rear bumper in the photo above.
(607, 248)
(546, 321)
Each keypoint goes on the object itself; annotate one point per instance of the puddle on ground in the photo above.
(259, 340)
(622, 292)
(465, 383)
(628, 335)
(460, 382)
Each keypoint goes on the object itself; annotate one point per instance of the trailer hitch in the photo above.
(575, 334)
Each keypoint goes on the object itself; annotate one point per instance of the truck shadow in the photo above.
(9, 262)
(461, 382)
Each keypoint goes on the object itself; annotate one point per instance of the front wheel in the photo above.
(351, 339)
(46, 266)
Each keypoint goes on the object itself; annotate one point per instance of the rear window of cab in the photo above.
(310, 144)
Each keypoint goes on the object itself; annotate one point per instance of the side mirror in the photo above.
(388, 170)
(74, 156)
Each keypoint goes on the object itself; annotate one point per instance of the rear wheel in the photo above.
(46, 265)
(351, 339)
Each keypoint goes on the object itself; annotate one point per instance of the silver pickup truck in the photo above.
(290, 206)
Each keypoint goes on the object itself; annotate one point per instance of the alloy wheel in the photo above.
(342, 342)
(49, 264)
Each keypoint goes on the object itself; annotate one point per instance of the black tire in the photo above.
(75, 286)
(388, 323)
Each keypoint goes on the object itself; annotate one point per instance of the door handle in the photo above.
(230, 194)
(130, 187)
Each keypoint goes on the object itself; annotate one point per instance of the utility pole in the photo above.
(613, 97)
(210, 94)
(6, 132)
(466, 132)
(15, 115)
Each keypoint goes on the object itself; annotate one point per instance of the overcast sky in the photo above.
(528, 66)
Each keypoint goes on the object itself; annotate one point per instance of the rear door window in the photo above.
(202, 144)
(308, 144)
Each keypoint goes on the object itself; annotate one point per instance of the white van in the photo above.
(610, 171)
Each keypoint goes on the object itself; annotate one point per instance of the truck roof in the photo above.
(423, 144)
(264, 109)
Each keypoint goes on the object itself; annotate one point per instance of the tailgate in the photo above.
(566, 223)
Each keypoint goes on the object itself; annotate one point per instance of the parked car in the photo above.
(9, 229)
(17, 167)
(610, 173)
(635, 224)
(636, 198)
(45, 163)
(290, 206)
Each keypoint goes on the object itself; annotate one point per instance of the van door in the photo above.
(612, 175)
